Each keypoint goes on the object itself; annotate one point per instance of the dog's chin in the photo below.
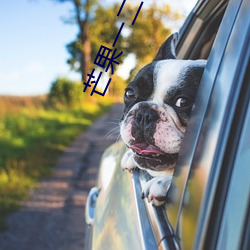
(155, 163)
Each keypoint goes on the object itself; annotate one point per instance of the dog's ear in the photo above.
(167, 49)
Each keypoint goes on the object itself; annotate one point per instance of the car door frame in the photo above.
(212, 109)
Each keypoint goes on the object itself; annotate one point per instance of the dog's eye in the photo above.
(183, 102)
(130, 94)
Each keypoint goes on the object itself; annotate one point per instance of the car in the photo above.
(208, 203)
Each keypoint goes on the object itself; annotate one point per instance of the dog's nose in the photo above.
(145, 117)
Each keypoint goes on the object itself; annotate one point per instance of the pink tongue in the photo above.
(145, 149)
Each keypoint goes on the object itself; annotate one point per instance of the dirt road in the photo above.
(53, 218)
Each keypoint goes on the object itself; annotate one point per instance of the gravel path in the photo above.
(53, 218)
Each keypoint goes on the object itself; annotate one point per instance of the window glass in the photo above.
(236, 206)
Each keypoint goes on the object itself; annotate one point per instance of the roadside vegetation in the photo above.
(34, 131)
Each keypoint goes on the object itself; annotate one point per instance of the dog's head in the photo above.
(158, 102)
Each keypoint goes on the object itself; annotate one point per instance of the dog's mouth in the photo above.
(146, 151)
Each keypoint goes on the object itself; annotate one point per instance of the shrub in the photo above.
(65, 92)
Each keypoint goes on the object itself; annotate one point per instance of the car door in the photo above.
(121, 218)
(211, 194)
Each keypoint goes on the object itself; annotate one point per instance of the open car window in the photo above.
(196, 41)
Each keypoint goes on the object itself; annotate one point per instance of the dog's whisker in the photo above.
(117, 129)
(112, 132)
(118, 138)
(111, 135)
(115, 121)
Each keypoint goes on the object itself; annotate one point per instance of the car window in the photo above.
(199, 31)
(165, 223)
(192, 132)
(208, 130)
(235, 212)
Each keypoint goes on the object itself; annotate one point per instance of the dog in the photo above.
(158, 102)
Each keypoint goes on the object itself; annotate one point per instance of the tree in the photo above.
(148, 34)
(83, 16)
(117, 87)
(143, 39)
(102, 30)
(99, 25)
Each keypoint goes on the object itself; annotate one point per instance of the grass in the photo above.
(31, 139)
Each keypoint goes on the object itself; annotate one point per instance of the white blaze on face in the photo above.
(169, 73)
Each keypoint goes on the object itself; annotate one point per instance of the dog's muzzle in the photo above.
(145, 118)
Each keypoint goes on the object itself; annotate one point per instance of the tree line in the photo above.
(98, 25)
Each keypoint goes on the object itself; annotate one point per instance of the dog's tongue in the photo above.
(145, 149)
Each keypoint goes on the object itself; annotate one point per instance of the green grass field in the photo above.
(31, 139)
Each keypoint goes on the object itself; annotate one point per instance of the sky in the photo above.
(32, 43)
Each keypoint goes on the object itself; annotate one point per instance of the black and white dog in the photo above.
(158, 102)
